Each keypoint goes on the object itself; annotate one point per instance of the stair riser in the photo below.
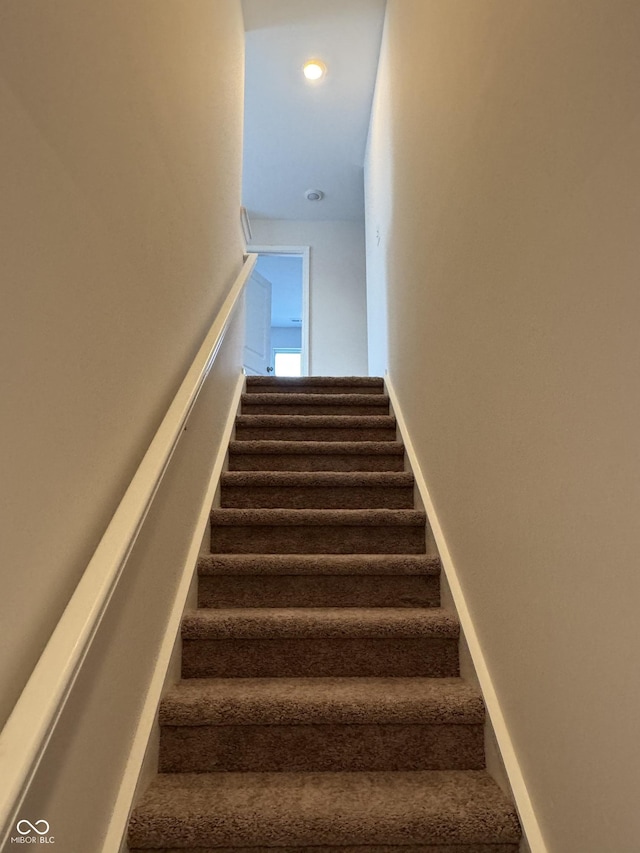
(323, 408)
(318, 591)
(299, 748)
(318, 564)
(314, 462)
(315, 657)
(309, 497)
(313, 434)
(314, 539)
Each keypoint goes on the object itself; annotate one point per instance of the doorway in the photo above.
(277, 331)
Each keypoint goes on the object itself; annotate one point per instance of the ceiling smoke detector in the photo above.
(314, 195)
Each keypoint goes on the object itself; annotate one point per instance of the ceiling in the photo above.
(301, 135)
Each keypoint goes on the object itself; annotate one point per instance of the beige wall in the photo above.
(338, 310)
(120, 175)
(512, 261)
(88, 758)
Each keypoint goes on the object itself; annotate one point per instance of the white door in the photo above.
(257, 341)
(301, 311)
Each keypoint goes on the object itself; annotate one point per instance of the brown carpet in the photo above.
(317, 489)
(294, 403)
(349, 848)
(316, 427)
(320, 707)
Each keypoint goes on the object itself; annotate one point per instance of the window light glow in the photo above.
(314, 69)
(288, 363)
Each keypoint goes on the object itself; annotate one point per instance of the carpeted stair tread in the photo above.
(314, 809)
(314, 421)
(286, 427)
(321, 701)
(298, 455)
(319, 564)
(337, 448)
(318, 517)
(320, 531)
(319, 479)
(289, 398)
(316, 384)
(317, 489)
(321, 724)
(319, 622)
(309, 580)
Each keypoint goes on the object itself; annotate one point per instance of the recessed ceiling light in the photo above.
(314, 69)
(314, 195)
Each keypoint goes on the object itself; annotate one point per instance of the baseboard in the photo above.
(115, 838)
(534, 841)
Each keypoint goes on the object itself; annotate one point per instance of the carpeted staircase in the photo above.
(320, 707)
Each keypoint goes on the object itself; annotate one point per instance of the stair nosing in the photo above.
(322, 701)
(422, 806)
(311, 564)
(234, 517)
(320, 622)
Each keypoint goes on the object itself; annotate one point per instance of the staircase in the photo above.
(320, 707)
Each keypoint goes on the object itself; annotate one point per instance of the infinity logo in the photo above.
(31, 827)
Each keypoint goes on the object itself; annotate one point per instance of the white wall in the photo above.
(338, 331)
(377, 190)
(509, 135)
(120, 237)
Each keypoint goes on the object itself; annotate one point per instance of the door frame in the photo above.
(304, 252)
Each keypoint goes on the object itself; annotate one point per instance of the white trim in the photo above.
(28, 730)
(304, 251)
(124, 801)
(516, 779)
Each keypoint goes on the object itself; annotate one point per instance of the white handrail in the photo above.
(29, 728)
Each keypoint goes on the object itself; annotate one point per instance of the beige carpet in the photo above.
(320, 707)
